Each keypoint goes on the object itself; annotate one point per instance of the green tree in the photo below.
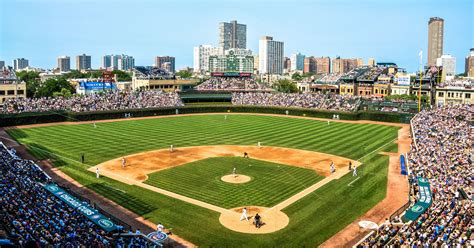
(32, 80)
(184, 74)
(52, 85)
(286, 86)
(122, 76)
(296, 76)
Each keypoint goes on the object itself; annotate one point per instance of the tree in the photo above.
(286, 86)
(296, 76)
(184, 74)
(122, 76)
(52, 85)
(32, 80)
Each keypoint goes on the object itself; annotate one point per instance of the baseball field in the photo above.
(288, 178)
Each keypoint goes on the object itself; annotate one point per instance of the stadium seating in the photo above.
(442, 153)
(305, 100)
(112, 100)
(231, 84)
(33, 217)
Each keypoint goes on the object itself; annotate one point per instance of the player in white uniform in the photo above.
(244, 215)
(171, 148)
(159, 228)
(354, 172)
(234, 172)
(259, 144)
(124, 162)
(95, 126)
(97, 172)
(331, 168)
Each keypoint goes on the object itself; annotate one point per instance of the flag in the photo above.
(420, 53)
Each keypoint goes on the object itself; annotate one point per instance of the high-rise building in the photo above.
(435, 39)
(469, 66)
(309, 65)
(2, 64)
(287, 64)
(270, 53)
(124, 62)
(448, 63)
(20, 63)
(297, 62)
(201, 57)
(344, 65)
(256, 62)
(323, 65)
(117, 62)
(232, 35)
(106, 61)
(64, 63)
(160, 60)
(371, 62)
(83, 62)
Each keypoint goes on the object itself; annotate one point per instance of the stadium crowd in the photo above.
(231, 84)
(34, 217)
(304, 100)
(112, 100)
(442, 153)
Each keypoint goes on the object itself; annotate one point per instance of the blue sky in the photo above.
(387, 30)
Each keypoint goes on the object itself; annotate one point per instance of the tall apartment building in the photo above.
(469, 66)
(19, 64)
(64, 63)
(232, 35)
(435, 39)
(371, 62)
(2, 64)
(270, 53)
(323, 65)
(201, 57)
(297, 62)
(117, 62)
(309, 65)
(83, 62)
(286, 64)
(160, 60)
(343, 65)
(448, 63)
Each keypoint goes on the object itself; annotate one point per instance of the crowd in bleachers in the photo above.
(331, 78)
(371, 74)
(112, 100)
(150, 72)
(33, 217)
(442, 154)
(304, 100)
(231, 84)
(456, 83)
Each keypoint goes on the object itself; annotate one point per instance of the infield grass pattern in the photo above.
(313, 219)
(271, 183)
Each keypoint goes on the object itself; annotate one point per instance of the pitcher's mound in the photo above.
(237, 178)
(272, 220)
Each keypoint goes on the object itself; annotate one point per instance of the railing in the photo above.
(141, 235)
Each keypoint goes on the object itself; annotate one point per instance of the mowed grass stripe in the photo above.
(312, 220)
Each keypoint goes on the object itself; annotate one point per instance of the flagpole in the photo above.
(419, 89)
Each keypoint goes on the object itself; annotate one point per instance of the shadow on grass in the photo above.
(122, 198)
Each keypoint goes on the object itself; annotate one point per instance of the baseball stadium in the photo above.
(231, 163)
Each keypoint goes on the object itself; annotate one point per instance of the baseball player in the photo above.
(159, 228)
(328, 123)
(124, 162)
(246, 155)
(234, 172)
(350, 165)
(244, 215)
(171, 148)
(259, 145)
(95, 126)
(225, 117)
(97, 172)
(354, 172)
(331, 168)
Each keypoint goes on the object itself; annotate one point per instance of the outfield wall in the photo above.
(47, 117)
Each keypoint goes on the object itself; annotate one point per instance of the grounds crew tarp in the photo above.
(423, 203)
(85, 209)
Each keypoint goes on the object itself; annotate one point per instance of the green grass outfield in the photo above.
(271, 183)
(313, 219)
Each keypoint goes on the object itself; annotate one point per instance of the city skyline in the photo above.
(377, 34)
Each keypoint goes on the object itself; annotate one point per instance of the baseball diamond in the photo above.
(188, 195)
